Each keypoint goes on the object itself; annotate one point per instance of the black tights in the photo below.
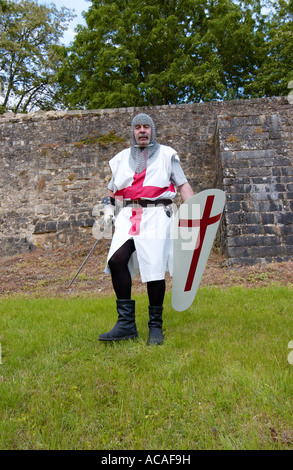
(121, 277)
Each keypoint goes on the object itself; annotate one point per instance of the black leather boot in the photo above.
(155, 326)
(125, 327)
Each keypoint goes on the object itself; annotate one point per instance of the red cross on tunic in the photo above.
(137, 190)
(203, 225)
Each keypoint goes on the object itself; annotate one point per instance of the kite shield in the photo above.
(195, 227)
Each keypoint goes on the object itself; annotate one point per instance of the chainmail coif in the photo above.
(139, 157)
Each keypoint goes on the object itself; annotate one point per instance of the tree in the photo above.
(29, 34)
(275, 69)
(136, 53)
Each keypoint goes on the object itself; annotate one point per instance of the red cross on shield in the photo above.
(196, 225)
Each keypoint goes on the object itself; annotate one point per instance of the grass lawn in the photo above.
(221, 380)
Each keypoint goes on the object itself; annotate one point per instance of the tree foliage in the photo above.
(153, 52)
(144, 53)
(29, 34)
(275, 55)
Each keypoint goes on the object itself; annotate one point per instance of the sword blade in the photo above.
(94, 246)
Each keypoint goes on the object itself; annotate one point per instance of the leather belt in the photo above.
(147, 202)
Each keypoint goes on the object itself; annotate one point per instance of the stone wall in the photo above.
(55, 170)
(256, 153)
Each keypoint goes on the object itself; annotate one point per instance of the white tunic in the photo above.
(150, 227)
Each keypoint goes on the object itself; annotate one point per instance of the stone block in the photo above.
(255, 154)
(43, 209)
(40, 227)
(243, 261)
(268, 218)
(63, 225)
(252, 229)
(51, 226)
(288, 241)
(285, 218)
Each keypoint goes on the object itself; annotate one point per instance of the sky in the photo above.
(79, 6)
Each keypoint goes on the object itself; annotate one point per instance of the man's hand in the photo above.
(109, 213)
(108, 209)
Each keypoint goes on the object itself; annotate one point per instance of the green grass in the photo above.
(222, 379)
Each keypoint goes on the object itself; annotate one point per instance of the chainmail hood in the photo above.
(139, 157)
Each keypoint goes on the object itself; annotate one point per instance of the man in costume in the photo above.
(145, 176)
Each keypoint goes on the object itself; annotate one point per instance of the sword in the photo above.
(94, 246)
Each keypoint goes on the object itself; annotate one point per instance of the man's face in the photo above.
(142, 134)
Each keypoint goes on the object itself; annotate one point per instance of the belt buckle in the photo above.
(135, 204)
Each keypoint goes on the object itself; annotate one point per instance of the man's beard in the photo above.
(142, 135)
(139, 156)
